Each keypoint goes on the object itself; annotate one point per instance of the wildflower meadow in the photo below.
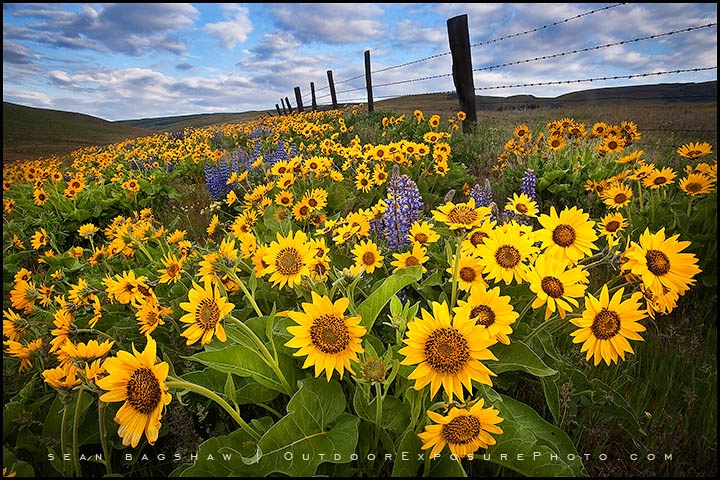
(341, 293)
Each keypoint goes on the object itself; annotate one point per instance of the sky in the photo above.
(148, 60)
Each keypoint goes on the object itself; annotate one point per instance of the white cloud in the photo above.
(234, 31)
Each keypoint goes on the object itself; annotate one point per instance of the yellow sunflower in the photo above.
(206, 308)
(505, 252)
(660, 263)
(139, 382)
(469, 273)
(39, 239)
(569, 235)
(696, 184)
(462, 430)
(556, 285)
(607, 324)
(328, 338)
(611, 224)
(423, 233)
(14, 326)
(448, 352)
(491, 311)
(173, 269)
(416, 256)
(522, 205)
(617, 195)
(476, 237)
(695, 150)
(461, 215)
(367, 256)
(659, 178)
(287, 259)
(62, 377)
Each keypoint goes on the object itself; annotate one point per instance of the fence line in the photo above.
(465, 87)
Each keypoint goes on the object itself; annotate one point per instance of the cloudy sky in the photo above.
(131, 61)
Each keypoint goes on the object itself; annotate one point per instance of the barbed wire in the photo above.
(506, 37)
(615, 77)
(544, 57)
(547, 57)
(597, 47)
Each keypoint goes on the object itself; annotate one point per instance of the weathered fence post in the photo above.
(368, 80)
(287, 100)
(298, 100)
(332, 89)
(282, 101)
(277, 107)
(462, 67)
(312, 94)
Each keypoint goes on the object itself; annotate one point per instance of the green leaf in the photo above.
(395, 415)
(242, 361)
(552, 396)
(407, 465)
(371, 307)
(222, 456)
(604, 397)
(316, 429)
(518, 356)
(229, 388)
(531, 446)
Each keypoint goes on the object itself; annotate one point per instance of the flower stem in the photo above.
(378, 410)
(247, 293)
(177, 383)
(76, 428)
(103, 439)
(269, 359)
(63, 433)
(456, 265)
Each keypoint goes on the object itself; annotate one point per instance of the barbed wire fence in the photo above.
(329, 99)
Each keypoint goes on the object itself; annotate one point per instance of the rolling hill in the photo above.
(30, 133)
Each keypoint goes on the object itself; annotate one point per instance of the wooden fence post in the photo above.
(288, 104)
(312, 94)
(298, 100)
(368, 80)
(462, 67)
(277, 107)
(285, 112)
(332, 89)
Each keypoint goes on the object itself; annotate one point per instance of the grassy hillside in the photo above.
(30, 133)
(173, 124)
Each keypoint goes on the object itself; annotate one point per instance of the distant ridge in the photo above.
(29, 133)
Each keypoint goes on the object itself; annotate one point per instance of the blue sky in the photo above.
(144, 60)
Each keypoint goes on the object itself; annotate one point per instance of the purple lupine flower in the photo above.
(528, 185)
(216, 177)
(482, 194)
(404, 205)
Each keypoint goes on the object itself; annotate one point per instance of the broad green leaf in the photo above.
(223, 456)
(552, 396)
(15, 467)
(316, 429)
(241, 361)
(518, 356)
(395, 415)
(247, 390)
(604, 397)
(371, 307)
(407, 463)
(531, 446)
